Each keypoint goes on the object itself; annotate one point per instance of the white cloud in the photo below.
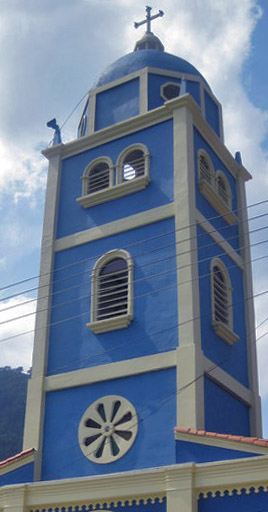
(22, 172)
(18, 351)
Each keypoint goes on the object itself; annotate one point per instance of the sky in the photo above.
(50, 55)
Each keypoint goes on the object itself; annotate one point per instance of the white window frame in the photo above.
(120, 321)
(210, 192)
(101, 195)
(117, 187)
(136, 183)
(224, 330)
(228, 202)
(162, 94)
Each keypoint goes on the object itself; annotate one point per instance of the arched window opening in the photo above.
(112, 289)
(98, 178)
(133, 165)
(221, 296)
(205, 170)
(223, 189)
(112, 292)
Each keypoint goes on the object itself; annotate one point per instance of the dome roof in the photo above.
(145, 58)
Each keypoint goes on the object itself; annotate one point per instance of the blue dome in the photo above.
(141, 59)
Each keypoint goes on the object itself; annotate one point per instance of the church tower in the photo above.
(145, 317)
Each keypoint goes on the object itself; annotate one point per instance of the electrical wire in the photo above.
(17, 283)
(137, 255)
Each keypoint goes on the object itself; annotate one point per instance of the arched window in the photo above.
(97, 176)
(222, 312)
(133, 164)
(223, 188)
(112, 295)
(205, 168)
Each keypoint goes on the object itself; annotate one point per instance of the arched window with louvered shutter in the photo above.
(205, 168)
(112, 292)
(133, 164)
(223, 188)
(98, 176)
(222, 310)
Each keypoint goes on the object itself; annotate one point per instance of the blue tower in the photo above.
(145, 317)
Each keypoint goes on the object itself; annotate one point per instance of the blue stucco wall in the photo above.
(117, 104)
(230, 233)
(18, 476)
(252, 502)
(233, 359)
(223, 412)
(154, 397)
(212, 113)
(72, 217)
(154, 328)
(154, 89)
(195, 452)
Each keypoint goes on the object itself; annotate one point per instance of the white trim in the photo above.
(226, 444)
(126, 368)
(217, 203)
(115, 192)
(225, 380)
(151, 118)
(118, 226)
(91, 113)
(255, 411)
(162, 94)
(34, 417)
(144, 92)
(190, 403)
(219, 239)
(17, 463)
(182, 481)
(116, 322)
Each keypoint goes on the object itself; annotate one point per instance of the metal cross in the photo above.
(149, 18)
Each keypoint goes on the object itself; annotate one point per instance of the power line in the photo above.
(174, 244)
(158, 274)
(17, 283)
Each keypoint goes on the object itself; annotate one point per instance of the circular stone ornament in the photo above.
(108, 429)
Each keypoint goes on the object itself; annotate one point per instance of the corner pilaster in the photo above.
(190, 393)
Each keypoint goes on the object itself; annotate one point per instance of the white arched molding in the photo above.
(205, 169)
(104, 316)
(221, 301)
(96, 187)
(223, 188)
(208, 186)
(132, 168)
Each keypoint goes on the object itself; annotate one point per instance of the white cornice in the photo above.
(109, 371)
(118, 226)
(152, 117)
(200, 478)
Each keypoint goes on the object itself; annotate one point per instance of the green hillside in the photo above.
(13, 389)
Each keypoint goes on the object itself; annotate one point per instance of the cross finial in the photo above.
(149, 18)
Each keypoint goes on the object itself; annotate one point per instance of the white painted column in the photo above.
(13, 499)
(181, 493)
(190, 385)
(36, 395)
(255, 410)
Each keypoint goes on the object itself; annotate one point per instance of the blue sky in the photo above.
(50, 55)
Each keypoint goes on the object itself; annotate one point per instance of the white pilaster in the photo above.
(36, 395)
(255, 410)
(190, 392)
